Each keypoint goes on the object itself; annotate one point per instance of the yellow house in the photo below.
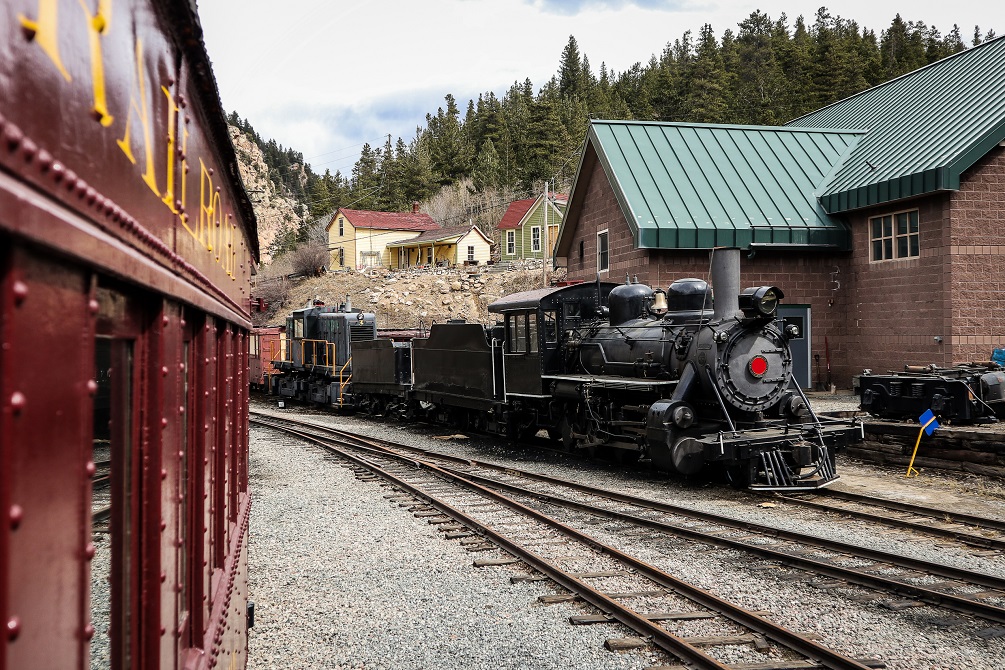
(358, 238)
(456, 245)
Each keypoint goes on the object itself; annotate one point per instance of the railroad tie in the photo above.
(491, 562)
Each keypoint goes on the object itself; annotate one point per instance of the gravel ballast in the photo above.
(343, 578)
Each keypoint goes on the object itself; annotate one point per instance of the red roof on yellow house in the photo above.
(361, 218)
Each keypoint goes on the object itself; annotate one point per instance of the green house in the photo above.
(522, 231)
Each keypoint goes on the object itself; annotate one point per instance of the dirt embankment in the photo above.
(406, 298)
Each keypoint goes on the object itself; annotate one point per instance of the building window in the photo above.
(895, 236)
(510, 242)
(341, 256)
(369, 258)
(603, 252)
(471, 253)
(535, 238)
(429, 256)
(341, 227)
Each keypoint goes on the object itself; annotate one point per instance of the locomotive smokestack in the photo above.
(726, 282)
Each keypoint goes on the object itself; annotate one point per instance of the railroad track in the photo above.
(965, 528)
(599, 574)
(965, 591)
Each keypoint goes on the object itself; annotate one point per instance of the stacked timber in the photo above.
(975, 450)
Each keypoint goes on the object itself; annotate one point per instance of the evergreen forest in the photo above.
(500, 148)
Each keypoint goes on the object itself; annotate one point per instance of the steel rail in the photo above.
(950, 572)
(917, 526)
(663, 638)
(994, 524)
(931, 596)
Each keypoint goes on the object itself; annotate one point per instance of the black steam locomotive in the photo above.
(667, 375)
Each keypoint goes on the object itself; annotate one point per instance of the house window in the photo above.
(895, 236)
(535, 238)
(429, 256)
(369, 259)
(603, 252)
(341, 227)
(471, 253)
(510, 242)
(341, 256)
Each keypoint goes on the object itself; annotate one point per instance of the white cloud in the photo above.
(319, 76)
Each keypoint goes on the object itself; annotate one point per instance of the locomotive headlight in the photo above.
(760, 301)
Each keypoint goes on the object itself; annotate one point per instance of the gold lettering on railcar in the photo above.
(142, 110)
(97, 25)
(45, 32)
(168, 198)
(213, 230)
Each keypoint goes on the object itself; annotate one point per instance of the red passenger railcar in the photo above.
(126, 248)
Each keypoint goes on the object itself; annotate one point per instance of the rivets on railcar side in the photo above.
(93, 307)
(20, 292)
(88, 632)
(89, 551)
(164, 422)
(12, 136)
(90, 468)
(164, 369)
(44, 161)
(28, 150)
(16, 514)
(164, 474)
(18, 402)
(13, 627)
(92, 387)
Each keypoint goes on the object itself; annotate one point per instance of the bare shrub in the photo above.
(309, 258)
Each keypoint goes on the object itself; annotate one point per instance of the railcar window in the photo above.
(550, 327)
(532, 333)
(895, 236)
(298, 328)
(571, 310)
(518, 333)
(112, 492)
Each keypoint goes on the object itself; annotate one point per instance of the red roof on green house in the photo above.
(515, 213)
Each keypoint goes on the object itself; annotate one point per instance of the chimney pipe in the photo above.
(415, 207)
(725, 282)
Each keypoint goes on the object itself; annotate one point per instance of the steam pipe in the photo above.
(725, 283)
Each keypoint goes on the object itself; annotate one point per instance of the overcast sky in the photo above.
(325, 76)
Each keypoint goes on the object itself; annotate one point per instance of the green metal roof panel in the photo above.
(925, 129)
(696, 186)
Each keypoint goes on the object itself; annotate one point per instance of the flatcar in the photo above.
(127, 243)
(266, 345)
(674, 376)
(965, 393)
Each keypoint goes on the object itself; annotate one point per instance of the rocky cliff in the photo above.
(273, 210)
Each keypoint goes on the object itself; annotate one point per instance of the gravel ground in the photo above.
(338, 585)
(342, 578)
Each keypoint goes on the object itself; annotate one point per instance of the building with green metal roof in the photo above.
(881, 216)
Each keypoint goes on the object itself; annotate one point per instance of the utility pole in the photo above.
(544, 238)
